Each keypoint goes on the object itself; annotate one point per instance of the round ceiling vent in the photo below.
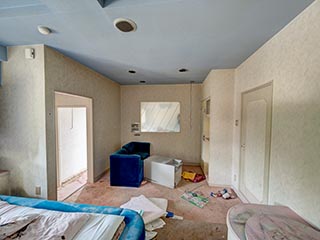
(183, 70)
(125, 25)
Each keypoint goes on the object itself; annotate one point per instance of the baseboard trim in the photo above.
(191, 164)
(219, 185)
(240, 195)
(100, 175)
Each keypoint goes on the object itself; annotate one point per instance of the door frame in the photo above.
(77, 101)
(201, 137)
(240, 145)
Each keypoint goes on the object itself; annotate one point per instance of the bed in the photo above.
(79, 221)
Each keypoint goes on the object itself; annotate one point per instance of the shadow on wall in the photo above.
(294, 163)
(14, 180)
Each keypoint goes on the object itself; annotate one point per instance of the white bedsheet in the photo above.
(54, 224)
(99, 226)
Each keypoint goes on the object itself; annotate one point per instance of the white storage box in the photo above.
(163, 170)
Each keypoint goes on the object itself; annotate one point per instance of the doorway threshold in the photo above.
(71, 186)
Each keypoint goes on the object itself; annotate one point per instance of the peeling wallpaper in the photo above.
(291, 59)
(22, 121)
(66, 75)
(219, 86)
(184, 145)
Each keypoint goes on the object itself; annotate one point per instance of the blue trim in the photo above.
(3, 54)
(3, 57)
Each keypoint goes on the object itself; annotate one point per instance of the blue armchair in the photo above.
(126, 165)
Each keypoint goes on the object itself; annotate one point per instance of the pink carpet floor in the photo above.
(101, 193)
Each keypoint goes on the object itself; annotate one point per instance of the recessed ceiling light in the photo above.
(183, 70)
(125, 25)
(132, 71)
(143, 82)
(44, 30)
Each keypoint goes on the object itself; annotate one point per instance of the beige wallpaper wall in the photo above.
(219, 86)
(66, 75)
(291, 60)
(184, 145)
(22, 121)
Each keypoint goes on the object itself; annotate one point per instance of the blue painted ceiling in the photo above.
(199, 35)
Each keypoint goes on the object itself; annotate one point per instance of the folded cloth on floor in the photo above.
(151, 211)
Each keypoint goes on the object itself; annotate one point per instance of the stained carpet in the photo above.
(191, 230)
(206, 223)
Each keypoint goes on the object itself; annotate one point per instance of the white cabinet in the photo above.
(4, 182)
(163, 170)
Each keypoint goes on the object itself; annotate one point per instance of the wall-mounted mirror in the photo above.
(160, 116)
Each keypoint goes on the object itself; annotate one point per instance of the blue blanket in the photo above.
(134, 229)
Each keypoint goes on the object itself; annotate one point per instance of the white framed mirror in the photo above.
(160, 116)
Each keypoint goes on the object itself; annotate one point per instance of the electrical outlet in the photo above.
(38, 190)
(234, 177)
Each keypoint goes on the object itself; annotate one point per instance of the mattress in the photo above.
(48, 224)
(134, 226)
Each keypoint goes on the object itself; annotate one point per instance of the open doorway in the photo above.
(74, 143)
(205, 136)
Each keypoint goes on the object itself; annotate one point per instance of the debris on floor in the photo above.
(151, 210)
(224, 194)
(188, 175)
(156, 224)
(193, 177)
(150, 235)
(195, 198)
(173, 216)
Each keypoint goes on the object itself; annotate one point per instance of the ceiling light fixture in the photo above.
(44, 30)
(125, 25)
(132, 71)
(183, 70)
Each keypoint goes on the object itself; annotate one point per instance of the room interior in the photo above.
(244, 77)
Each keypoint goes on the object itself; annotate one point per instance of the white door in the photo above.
(72, 135)
(255, 144)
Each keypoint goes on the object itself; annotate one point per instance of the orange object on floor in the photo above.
(189, 175)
